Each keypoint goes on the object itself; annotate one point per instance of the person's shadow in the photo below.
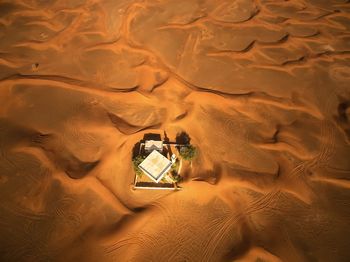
(167, 141)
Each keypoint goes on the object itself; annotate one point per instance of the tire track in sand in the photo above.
(266, 202)
(327, 147)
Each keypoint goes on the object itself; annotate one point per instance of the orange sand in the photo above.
(261, 86)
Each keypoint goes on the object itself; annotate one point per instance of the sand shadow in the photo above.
(62, 157)
(243, 246)
(12, 133)
(211, 176)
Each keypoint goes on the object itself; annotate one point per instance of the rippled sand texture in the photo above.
(261, 86)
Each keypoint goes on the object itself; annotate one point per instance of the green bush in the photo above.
(188, 152)
(175, 166)
(177, 178)
(136, 161)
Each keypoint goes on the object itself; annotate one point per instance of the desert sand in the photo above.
(262, 87)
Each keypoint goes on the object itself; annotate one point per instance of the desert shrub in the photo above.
(188, 152)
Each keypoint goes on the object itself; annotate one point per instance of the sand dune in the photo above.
(261, 87)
